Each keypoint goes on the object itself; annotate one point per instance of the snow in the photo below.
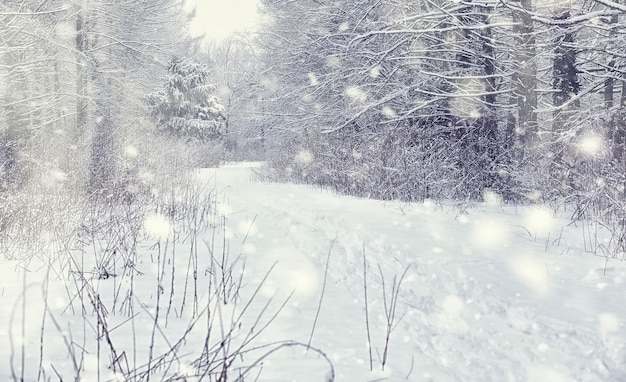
(55, 176)
(157, 226)
(388, 112)
(355, 94)
(131, 151)
(466, 103)
(591, 144)
(312, 79)
(304, 157)
(375, 71)
(492, 293)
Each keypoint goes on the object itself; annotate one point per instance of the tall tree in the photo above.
(186, 107)
(116, 44)
(76, 73)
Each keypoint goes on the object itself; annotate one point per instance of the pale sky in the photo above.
(220, 18)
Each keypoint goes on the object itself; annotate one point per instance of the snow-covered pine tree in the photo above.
(186, 107)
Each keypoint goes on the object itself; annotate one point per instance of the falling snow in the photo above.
(355, 94)
(591, 144)
(157, 226)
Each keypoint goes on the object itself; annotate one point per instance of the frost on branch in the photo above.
(186, 106)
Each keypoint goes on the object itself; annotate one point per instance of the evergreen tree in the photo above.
(186, 106)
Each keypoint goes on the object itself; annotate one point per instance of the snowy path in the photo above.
(482, 300)
(491, 294)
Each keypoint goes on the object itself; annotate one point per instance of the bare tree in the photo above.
(108, 50)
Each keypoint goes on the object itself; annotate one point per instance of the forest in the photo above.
(110, 110)
(395, 100)
(412, 100)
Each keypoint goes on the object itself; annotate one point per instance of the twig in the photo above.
(411, 369)
(390, 308)
(367, 318)
(44, 291)
(172, 285)
(319, 305)
(156, 313)
(23, 339)
(249, 229)
(330, 377)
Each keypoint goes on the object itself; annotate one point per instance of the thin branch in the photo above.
(319, 305)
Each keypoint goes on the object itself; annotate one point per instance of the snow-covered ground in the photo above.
(488, 293)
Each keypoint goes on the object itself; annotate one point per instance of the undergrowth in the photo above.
(140, 288)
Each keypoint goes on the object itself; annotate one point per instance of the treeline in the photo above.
(409, 100)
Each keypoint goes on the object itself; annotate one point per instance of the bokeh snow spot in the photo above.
(490, 233)
(355, 93)
(388, 112)
(65, 30)
(467, 102)
(491, 197)
(453, 305)
(375, 71)
(448, 316)
(58, 303)
(304, 157)
(312, 79)
(531, 272)
(54, 177)
(534, 195)
(591, 144)
(187, 370)
(249, 249)
(228, 234)
(247, 227)
(294, 271)
(131, 151)
(157, 226)
(224, 209)
(539, 221)
(224, 92)
(608, 323)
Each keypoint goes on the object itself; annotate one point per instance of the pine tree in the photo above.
(186, 107)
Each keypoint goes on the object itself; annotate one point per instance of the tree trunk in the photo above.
(566, 87)
(81, 76)
(525, 77)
